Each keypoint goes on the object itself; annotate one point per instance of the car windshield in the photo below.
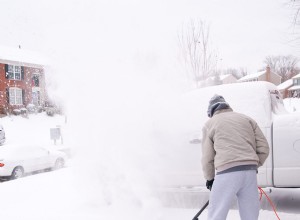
(277, 103)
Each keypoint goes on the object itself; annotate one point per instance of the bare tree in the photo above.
(296, 5)
(285, 66)
(195, 48)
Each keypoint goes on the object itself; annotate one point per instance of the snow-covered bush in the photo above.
(24, 112)
(16, 112)
(39, 109)
(51, 111)
(31, 108)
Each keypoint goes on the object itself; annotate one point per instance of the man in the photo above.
(235, 147)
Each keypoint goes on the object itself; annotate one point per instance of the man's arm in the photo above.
(208, 155)
(262, 146)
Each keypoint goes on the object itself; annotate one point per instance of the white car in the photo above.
(15, 161)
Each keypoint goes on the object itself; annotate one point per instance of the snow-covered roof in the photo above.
(294, 87)
(11, 55)
(252, 76)
(297, 76)
(222, 77)
(285, 84)
(255, 75)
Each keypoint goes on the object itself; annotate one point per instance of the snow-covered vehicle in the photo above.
(15, 161)
(179, 128)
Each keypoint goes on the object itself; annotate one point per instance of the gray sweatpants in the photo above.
(228, 186)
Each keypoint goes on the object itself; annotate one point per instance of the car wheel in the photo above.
(59, 163)
(18, 172)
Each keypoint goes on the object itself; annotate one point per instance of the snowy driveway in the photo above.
(65, 195)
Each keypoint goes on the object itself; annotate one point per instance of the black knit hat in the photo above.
(217, 102)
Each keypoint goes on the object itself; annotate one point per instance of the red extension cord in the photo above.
(271, 203)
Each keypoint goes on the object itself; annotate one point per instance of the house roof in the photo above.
(253, 75)
(12, 55)
(297, 76)
(256, 75)
(285, 84)
(294, 87)
(222, 77)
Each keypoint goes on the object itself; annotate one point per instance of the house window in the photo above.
(14, 72)
(15, 96)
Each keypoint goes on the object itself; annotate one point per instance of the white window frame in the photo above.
(15, 96)
(14, 72)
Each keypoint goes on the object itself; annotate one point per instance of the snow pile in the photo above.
(292, 104)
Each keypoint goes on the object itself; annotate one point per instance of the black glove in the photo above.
(209, 184)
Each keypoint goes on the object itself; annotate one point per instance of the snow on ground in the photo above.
(292, 104)
(66, 195)
(32, 130)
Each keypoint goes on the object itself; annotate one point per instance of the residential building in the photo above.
(22, 79)
(217, 80)
(294, 91)
(283, 88)
(265, 75)
(228, 78)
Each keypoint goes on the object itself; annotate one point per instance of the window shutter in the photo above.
(23, 96)
(7, 95)
(6, 71)
(22, 72)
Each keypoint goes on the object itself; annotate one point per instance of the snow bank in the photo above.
(292, 104)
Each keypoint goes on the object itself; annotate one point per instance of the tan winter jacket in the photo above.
(231, 139)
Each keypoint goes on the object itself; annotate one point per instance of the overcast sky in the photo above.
(243, 32)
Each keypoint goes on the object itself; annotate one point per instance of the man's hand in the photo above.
(209, 184)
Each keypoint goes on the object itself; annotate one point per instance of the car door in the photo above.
(42, 157)
(286, 151)
(34, 158)
(23, 156)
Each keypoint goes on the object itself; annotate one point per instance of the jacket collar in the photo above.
(223, 110)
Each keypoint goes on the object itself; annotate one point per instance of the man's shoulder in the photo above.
(244, 116)
(208, 123)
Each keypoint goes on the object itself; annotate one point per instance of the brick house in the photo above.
(283, 88)
(290, 88)
(22, 80)
(295, 89)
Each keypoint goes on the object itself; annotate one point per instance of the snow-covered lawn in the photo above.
(32, 130)
(78, 193)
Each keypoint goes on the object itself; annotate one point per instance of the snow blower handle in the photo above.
(201, 210)
(209, 186)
